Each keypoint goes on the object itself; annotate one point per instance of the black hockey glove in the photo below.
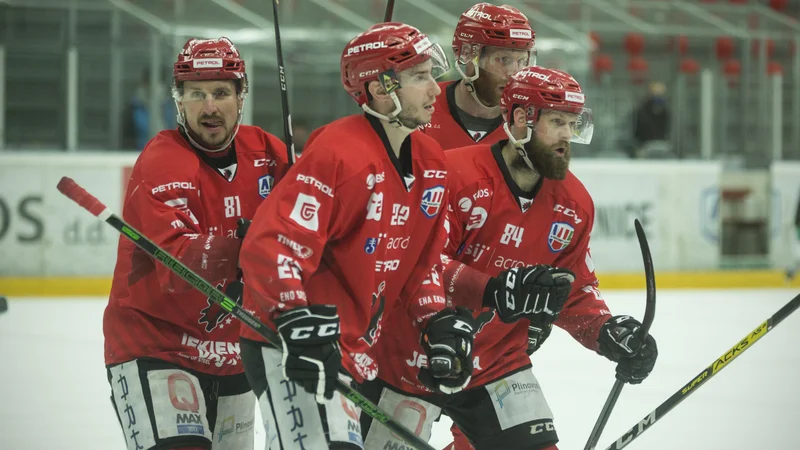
(537, 336)
(448, 340)
(619, 341)
(242, 225)
(311, 356)
(536, 292)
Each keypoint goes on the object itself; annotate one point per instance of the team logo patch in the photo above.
(560, 236)
(265, 184)
(371, 245)
(432, 199)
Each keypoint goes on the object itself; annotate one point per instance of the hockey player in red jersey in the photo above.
(356, 228)
(172, 355)
(517, 213)
(490, 43)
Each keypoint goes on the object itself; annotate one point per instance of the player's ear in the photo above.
(375, 89)
(519, 116)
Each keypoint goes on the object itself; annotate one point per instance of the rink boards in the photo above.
(49, 246)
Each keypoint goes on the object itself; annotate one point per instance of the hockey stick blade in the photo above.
(79, 195)
(695, 383)
(644, 330)
(387, 16)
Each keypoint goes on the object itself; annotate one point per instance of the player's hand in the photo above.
(242, 225)
(311, 355)
(536, 292)
(536, 337)
(448, 341)
(620, 342)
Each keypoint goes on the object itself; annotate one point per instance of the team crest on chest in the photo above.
(432, 199)
(265, 184)
(560, 236)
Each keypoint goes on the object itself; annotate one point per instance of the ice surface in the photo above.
(54, 393)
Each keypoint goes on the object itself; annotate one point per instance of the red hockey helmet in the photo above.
(489, 25)
(536, 89)
(210, 59)
(383, 51)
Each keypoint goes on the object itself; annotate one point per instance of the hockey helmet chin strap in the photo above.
(393, 117)
(520, 144)
(469, 81)
(189, 133)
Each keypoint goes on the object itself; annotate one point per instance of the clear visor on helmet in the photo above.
(505, 61)
(429, 70)
(567, 126)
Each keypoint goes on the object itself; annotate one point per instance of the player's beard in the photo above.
(488, 88)
(212, 139)
(412, 116)
(545, 159)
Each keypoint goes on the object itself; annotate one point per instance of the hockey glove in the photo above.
(620, 342)
(311, 355)
(536, 292)
(448, 340)
(242, 225)
(537, 336)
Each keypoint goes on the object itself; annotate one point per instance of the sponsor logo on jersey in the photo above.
(432, 199)
(568, 212)
(301, 251)
(264, 162)
(173, 185)
(265, 185)
(182, 205)
(308, 179)
(375, 206)
(465, 204)
(477, 218)
(375, 178)
(560, 236)
(476, 251)
(305, 211)
(218, 353)
(434, 174)
(419, 361)
(371, 245)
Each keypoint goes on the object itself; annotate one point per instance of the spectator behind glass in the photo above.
(651, 124)
(136, 123)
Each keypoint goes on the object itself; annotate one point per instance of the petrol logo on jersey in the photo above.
(560, 236)
(432, 199)
(265, 185)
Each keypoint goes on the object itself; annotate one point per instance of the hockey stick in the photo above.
(76, 193)
(287, 116)
(721, 362)
(649, 314)
(387, 16)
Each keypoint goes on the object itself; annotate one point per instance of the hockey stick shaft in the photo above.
(287, 115)
(649, 315)
(387, 16)
(695, 383)
(76, 193)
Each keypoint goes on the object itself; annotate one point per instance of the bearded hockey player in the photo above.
(490, 44)
(518, 212)
(173, 360)
(356, 229)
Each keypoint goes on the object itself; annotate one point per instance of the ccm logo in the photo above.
(434, 174)
(520, 97)
(329, 329)
(568, 212)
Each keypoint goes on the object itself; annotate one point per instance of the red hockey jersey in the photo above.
(353, 226)
(493, 227)
(446, 126)
(188, 203)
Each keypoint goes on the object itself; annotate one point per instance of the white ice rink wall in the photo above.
(44, 234)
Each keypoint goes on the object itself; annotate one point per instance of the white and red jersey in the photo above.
(495, 226)
(187, 202)
(354, 226)
(446, 126)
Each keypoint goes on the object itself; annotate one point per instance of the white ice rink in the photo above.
(54, 394)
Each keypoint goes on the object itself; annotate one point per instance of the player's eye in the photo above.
(222, 94)
(197, 95)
